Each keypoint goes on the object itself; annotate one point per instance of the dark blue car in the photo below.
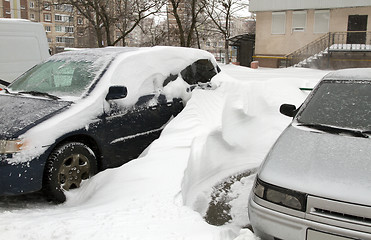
(85, 111)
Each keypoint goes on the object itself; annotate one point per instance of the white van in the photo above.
(23, 44)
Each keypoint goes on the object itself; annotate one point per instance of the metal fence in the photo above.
(354, 41)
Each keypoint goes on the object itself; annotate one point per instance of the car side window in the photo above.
(200, 71)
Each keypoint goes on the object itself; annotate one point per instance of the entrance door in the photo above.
(357, 23)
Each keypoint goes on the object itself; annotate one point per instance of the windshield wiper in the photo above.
(336, 130)
(41, 94)
(5, 83)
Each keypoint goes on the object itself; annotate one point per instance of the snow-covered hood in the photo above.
(321, 164)
(18, 114)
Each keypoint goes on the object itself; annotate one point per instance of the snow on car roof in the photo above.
(362, 74)
(92, 54)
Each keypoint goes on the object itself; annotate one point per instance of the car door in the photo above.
(130, 126)
(129, 130)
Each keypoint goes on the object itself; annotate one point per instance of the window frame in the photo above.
(49, 18)
(315, 26)
(274, 31)
(296, 24)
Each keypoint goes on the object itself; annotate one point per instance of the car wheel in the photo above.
(68, 165)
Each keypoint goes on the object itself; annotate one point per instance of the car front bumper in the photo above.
(270, 224)
(19, 178)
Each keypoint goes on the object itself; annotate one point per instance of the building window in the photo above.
(58, 28)
(46, 6)
(49, 40)
(299, 21)
(47, 28)
(32, 5)
(69, 29)
(47, 17)
(58, 7)
(65, 40)
(321, 21)
(278, 23)
(80, 21)
(68, 8)
(58, 18)
(32, 16)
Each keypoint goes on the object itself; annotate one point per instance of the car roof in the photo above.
(363, 74)
(92, 54)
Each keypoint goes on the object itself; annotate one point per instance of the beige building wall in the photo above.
(282, 44)
(339, 17)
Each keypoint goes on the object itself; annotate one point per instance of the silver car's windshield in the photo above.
(59, 78)
(342, 104)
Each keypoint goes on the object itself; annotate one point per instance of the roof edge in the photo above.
(282, 5)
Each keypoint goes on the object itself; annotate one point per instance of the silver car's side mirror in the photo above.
(116, 92)
(288, 110)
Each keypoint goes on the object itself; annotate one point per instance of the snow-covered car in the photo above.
(81, 112)
(315, 183)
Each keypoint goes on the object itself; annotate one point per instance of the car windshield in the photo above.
(60, 78)
(342, 104)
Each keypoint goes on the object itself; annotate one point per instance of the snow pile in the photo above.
(350, 47)
(219, 133)
(249, 125)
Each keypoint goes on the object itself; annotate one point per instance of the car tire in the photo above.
(67, 166)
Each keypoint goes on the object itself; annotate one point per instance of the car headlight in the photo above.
(281, 196)
(11, 146)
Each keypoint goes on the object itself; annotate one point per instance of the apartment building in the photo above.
(64, 27)
(13, 9)
(287, 27)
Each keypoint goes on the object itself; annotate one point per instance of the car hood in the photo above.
(321, 164)
(18, 113)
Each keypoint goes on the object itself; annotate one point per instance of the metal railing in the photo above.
(350, 41)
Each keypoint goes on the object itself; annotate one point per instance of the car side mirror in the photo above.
(116, 92)
(288, 110)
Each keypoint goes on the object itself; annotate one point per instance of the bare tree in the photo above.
(107, 16)
(154, 32)
(221, 13)
(131, 12)
(93, 11)
(186, 14)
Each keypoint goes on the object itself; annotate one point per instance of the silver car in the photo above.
(315, 183)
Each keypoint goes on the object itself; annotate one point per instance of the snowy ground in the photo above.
(165, 193)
